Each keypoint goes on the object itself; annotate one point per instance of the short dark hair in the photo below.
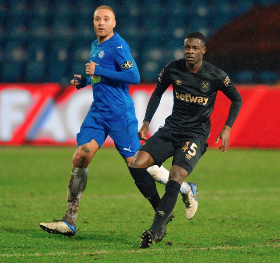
(197, 35)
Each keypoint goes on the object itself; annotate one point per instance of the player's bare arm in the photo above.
(224, 137)
(143, 132)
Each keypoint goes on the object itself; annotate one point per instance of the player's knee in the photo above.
(80, 160)
(128, 160)
(141, 160)
(178, 174)
(84, 154)
(135, 163)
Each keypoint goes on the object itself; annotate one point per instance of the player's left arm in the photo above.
(123, 57)
(229, 89)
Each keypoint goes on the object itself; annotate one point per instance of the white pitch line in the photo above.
(224, 248)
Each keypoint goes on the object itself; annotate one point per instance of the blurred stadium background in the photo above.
(48, 41)
(43, 43)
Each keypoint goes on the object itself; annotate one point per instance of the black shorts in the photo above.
(186, 151)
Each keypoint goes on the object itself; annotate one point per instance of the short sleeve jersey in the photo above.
(111, 98)
(194, 95)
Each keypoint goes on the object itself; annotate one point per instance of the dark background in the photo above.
(49, 41)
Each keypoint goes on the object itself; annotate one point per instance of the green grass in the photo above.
(237, 218)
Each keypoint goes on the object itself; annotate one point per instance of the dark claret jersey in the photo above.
(194, 96)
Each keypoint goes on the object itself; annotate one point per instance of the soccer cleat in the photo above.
(169, 219)
(190, 200)
(59, 227)
(148, 236)
(147, 239)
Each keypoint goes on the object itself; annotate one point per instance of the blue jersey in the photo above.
(116, 70)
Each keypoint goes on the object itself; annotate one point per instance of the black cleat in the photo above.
(169, 219)
(159, 236)
(148, 236)
(147, 239)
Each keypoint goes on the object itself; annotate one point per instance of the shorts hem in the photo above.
(183, 165)
(82, 143)
(154, 159)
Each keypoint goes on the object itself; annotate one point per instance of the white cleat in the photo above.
(190, 200)
(59, 227)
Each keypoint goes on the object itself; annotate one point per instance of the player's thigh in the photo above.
(188, 153)
(142, 160)
(125, 136)
(159, 146)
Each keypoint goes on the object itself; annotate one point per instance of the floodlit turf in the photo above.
(237, 219)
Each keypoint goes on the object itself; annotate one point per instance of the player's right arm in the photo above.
(162, 85)
(80, 81)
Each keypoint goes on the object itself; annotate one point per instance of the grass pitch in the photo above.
(237, 218)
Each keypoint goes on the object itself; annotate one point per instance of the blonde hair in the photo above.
(105, 7)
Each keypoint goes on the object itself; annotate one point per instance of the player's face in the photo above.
(194, 49)
(104, 22)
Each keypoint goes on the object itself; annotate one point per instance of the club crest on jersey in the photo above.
(178, 82)
(204, 86)
(101, 54)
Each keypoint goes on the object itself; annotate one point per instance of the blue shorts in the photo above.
(123, 132)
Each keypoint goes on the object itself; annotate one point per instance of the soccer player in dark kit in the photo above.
(195, 85)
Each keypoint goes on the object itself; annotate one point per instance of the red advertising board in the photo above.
(47, 114)
(20, 107)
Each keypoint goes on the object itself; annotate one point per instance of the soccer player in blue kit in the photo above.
(110, 69)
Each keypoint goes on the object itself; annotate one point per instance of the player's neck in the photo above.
(194, 68)
(102, 39)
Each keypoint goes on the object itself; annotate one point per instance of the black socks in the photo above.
(166, 205)
(146, 185)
